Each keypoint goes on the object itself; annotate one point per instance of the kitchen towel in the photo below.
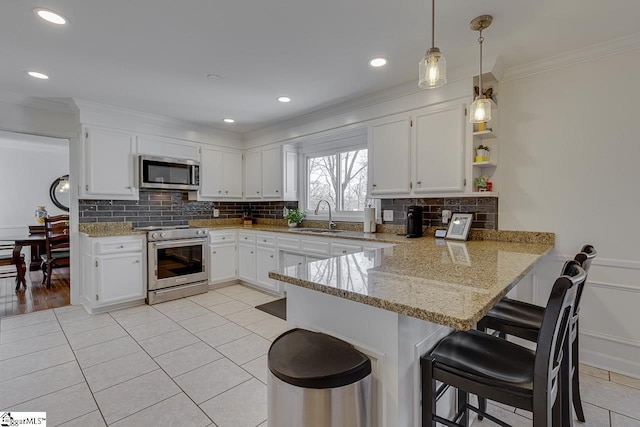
(369, 225)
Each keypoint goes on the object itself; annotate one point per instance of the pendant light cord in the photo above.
(433, 23)
(480, 40)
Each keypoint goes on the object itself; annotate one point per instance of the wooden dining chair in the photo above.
(10, 256)
(56, 245)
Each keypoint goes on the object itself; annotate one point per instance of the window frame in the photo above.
(334, 146)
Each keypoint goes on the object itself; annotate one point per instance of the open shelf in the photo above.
(485, 134)
(486, 164)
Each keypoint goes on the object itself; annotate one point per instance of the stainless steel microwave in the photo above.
(169, 174)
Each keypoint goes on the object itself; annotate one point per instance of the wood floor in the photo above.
(36, 297)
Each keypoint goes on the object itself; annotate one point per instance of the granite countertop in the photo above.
(445, 282)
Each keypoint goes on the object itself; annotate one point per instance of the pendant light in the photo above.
(480, 110)
(432, 70)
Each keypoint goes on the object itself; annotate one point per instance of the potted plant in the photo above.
(482, 153)
(293, 216)
(481, 182)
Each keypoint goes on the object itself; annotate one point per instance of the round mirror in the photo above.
(60, 194)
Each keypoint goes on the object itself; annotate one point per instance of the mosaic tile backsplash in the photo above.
(169, 208)
(485, 210)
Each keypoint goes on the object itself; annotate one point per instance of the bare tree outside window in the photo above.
(339, 178)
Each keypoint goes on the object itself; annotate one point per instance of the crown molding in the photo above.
(608, 48)
(60, 105)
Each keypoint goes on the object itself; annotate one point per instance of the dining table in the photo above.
(34, 241)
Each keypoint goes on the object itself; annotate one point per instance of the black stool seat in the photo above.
(517, 314)
(482, 356)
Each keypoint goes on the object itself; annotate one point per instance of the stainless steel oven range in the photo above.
(177, 263)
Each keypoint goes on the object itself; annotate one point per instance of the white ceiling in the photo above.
(154, 55)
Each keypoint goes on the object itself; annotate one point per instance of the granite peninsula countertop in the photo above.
(446, 282)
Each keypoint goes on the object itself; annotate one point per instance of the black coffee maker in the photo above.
(414, 221)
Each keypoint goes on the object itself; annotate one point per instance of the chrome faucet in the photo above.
(331, 223)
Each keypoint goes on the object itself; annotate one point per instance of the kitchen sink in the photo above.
(314, 230)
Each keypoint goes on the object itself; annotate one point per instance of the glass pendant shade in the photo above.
(480, 110)
(432, 70)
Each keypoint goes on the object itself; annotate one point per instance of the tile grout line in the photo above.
(81, 371)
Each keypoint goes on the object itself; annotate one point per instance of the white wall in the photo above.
(28, 166)
(569, 159)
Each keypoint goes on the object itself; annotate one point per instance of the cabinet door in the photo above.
(439, 140)
(288, 259)
(120, 278)
(253, 175)
(290, 175)
(338, 249)
(232, 173)
(109, 165)
(272, 173)
(211, 173)
(267, 260)
(389, 153)
(223, 262)
(166, 147)
(247, 262)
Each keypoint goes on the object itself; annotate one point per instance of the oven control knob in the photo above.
(162, 234)
(154, 235)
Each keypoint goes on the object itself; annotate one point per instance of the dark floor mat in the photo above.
(276, 308)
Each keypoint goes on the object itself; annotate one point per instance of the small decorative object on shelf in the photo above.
(482, 126)
(483, 184)
(40, 214)
(293, 216)
(247, 218)
(482, 153)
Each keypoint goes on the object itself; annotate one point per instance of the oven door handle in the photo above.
(178, 243)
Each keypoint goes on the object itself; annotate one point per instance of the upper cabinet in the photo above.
(271, 173)
(165, 147)
(439, 137)
(419, 153)
(109, 170)
(220, 173)
(389, 154)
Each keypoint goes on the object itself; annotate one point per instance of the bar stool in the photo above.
(523, 320)
(496, 369)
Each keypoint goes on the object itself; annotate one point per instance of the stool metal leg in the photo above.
(428, 393)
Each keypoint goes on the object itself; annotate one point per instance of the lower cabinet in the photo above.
(247, 262)
(267, 261)
(223, 262)
(114, 271)
(289, 260)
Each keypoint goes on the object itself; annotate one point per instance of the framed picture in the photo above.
(458, 252)
(459, 226)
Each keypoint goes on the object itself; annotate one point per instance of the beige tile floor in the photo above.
(198, 361)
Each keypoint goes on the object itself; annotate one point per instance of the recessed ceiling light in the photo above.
(214, 76)
(284, 99)
(228, 120)
(37, 75)
(50, 16)
(378, 62)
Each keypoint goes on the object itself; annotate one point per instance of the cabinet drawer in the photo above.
(288, 243)
(342, 249)
(244, 237)
(222, 237)
(315, 247)
(265, 240)
(119, 246)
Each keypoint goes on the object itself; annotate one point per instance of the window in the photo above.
(339, 178)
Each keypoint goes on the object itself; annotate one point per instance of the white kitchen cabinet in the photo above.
(338, 249)
(267, 260)
(271, 173)
(114, 271)
(420, 153)
(247, 262)
(167, 147)
(439, 138)
(389, 156)
(289, 259)
(220, 173)
(109, 165)
(253, 175)
(223, 256)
